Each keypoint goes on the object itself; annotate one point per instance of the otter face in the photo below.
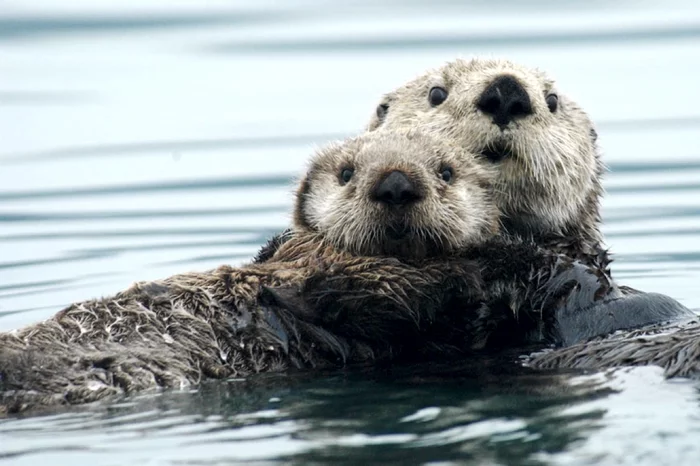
(400, 194)
(514, 119)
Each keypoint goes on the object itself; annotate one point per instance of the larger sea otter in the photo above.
(540, 142)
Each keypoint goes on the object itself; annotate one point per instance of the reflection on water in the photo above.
(145, 139)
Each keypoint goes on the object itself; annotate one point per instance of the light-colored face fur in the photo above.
(548, 167)
(451, 205)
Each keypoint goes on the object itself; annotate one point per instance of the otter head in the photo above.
(513, 118)
(402, 194)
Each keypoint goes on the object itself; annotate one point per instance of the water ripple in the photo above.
(254, 142)
(184, 185)
(14, 28)
(12, 217)
(463, 40)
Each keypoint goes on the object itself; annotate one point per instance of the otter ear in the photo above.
(380, 112)
(300, 220)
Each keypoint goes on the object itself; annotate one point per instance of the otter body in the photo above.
(179, 331)
(528, 295)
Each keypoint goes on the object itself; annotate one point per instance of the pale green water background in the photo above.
(144, 138)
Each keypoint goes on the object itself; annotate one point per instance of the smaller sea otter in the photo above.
(393, 194)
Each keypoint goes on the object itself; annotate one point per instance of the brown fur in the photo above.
(527, 296)
(549, 186)
(178, 331)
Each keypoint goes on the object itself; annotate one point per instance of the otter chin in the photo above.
(401, 194)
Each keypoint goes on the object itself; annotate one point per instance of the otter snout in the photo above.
(396, 189)
(505, 100)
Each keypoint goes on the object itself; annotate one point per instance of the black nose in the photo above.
(506, 100)
(396, 189)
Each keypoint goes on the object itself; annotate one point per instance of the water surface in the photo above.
(153, 137)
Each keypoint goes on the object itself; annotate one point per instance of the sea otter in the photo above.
(180, 330)
(513, 120)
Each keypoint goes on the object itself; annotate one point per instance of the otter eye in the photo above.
(346, 175)
(446, 174)
(552, 102)
(437, 95)
(381, 111)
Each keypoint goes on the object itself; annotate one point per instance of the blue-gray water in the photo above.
(144, 138)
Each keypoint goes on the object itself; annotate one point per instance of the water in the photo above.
(158, 137)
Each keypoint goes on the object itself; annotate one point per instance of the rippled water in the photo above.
(155, 137)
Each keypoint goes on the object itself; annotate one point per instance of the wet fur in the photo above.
(311, 306)
(175, 332)
(528, 295)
